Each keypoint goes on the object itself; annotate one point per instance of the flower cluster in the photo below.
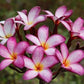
(42, 50)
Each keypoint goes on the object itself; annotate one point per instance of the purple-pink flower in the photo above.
(39, 65)
(71, 61)
(43, 40)
(32, 19)
(13, 54)
(76, 28)
(7, 30)
(60, 14)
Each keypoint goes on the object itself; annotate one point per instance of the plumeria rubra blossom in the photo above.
(71, 61)
(13, 53)
(60, 14)
(39, 65)
(7, 30)
(33, 17)
(48, 43)
(76, 28)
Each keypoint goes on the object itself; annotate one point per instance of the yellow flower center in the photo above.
(29, 23)
(66, 62)
(14, 56)
(8, 35)
(38, 67)
(45, 45)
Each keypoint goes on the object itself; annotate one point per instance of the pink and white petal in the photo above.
(27, 27)
(28, 63)
(31, 49)
(33, 13)
(67, 25)
(43, 33)
(8, 25)
(59, 56)
(11, 43)
(77, 68)
(68, 13)
(5, 63)
(48, 13)
(3, 41)
(38, 55)
(78, 24)
(64, 50)
(4, 52)
(30, 74)
(19, 22)
(49, 61)
(40, 18)
(46, 75)
(60, 11)
(21, 47)
(13, 30)
(1, 31)
(2, 22)
(55, 40)
(19, 62)
(75, 56)
(23, 17)
(81, 35)
(50, 51)
(33, 38)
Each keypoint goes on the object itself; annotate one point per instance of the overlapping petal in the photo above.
(30, 74)
(1, 31)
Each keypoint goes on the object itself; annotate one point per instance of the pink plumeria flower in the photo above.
(76, 29)
(13, 54)
(60, 14)
(39, 65)
(71, 61)
(7, 30)
(42, 40)
(33, 17)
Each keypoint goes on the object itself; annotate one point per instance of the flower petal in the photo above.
(40, 18)
(27, 27)
(4, 52)
(23, 16)
(59, 56)
(37, 55)
(60, 11)
(30, 74)
(50, 51)
(68, 13)
(49, 61)
(55, 40)
(3, 41)
(1, 31)
(19, 62)
(78, 24)
(33, 38)
(46, 75)
(11, 43)
(21, 47)
(81, 35)
(64, 50)
(75, 56)
(31, 49)
(28, 63)
(8, 25)
(5, 63)
(43, 33)
(77, 68)
(33, 13)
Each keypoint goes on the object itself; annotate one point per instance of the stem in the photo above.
(33, 31)
(41, 81)
(69, 42)
(55, 29)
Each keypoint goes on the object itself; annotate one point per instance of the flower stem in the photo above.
(55, 29)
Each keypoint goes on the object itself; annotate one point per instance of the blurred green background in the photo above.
(9, 8)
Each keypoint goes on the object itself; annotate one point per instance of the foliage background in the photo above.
(9, 8)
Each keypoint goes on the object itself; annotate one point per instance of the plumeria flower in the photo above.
(60, 14)
(33, 17)
(13, 54)
(71, 61)
(76, 29)
(7, 30)
(48, 43)
(39, 65)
